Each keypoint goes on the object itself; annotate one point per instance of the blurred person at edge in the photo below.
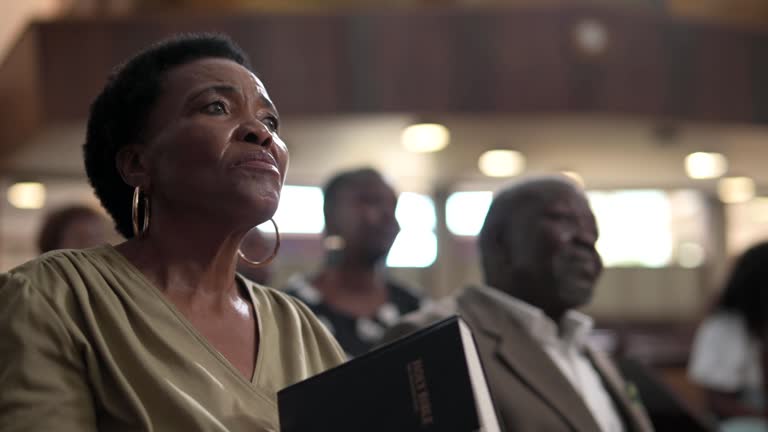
(256, 246)
(72, 227)
(351, 292)
(539, 262)
(728, 354)
(159, 333)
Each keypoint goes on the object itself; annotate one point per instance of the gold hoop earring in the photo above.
(270, 257)
(139, 231)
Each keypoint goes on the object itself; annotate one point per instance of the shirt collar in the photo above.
(576, 325)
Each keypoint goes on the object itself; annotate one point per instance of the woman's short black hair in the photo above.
(746, 291)
(119, 114)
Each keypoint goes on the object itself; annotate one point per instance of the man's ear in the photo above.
(132, 167)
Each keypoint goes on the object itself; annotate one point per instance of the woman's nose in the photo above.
(255, 132)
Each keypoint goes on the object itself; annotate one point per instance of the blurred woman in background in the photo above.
(351, 293)
(72, 227)
(159, 333)
(729, 349)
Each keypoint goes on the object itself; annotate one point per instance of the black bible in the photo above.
(430, 380)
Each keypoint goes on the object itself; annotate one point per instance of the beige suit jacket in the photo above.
(529, 391)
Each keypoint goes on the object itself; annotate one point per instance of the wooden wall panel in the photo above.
(20, 93)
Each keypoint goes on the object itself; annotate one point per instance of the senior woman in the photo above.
(159, 333)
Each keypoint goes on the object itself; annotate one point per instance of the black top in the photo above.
(355, 335)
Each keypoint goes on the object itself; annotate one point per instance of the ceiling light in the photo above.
(732, 190)
(701, 165)
(27, 195)
(501, 163)
(425, 137)
(591, 36)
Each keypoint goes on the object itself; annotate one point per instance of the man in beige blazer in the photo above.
(539, 260)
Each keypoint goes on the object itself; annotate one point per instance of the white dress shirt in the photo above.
(565, 348)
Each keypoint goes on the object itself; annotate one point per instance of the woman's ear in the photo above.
(131, 165)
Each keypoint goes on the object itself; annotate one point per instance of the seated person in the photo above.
(72, 227)
(537, 247)
(351, 293)
(729, 348)
(158, 333)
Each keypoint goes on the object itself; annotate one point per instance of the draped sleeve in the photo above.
(42, 374)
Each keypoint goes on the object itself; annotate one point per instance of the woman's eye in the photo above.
(270, 123)
(215, 108)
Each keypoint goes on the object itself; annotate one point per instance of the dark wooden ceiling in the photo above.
(427, 61)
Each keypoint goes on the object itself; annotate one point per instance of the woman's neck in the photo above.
(187, 261)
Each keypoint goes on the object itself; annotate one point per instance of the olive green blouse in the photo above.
(88, 344)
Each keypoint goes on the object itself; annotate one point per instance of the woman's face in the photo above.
(365, 217)
(212, 144)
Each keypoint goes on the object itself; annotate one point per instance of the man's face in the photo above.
(551, 243)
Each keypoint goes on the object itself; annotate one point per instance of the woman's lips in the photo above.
(262, 162)
(259, 165)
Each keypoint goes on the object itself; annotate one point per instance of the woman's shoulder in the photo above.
(721, 352)
(62, 257)
(53, 269)
(279, 301)
(722, 333)
(53, 265)
(295, 323)
(46, 288)
(724, 321)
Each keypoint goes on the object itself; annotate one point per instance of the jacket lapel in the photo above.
(629, 404)
(519, 353)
